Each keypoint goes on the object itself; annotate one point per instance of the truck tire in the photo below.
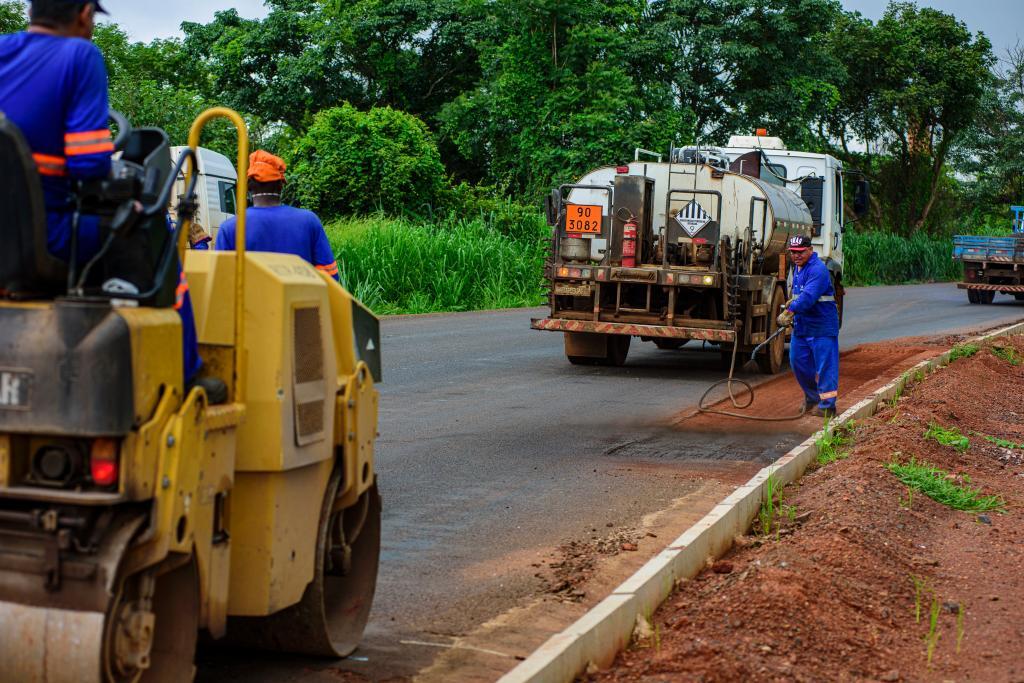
(771, 359)
(670, 344)
(972, 296)
(986, 297)
(613, 352)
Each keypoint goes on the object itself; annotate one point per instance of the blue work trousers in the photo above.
(815, 362)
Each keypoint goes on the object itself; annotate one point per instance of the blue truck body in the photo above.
(991, 265)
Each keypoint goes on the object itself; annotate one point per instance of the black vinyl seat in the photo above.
(27, 269)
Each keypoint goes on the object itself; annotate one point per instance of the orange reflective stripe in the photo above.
(50, 165)
(180, 292)
(88, 142)
(330, 269)
(828, 394)
(88, 136)
(94, 148)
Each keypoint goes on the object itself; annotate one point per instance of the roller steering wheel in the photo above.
(124, 129)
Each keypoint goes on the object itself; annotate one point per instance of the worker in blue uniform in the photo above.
(276, 227)
(53, 86)
(814, 348)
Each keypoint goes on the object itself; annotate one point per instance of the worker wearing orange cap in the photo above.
(273, 226)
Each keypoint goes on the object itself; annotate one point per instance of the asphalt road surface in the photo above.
(492, 444)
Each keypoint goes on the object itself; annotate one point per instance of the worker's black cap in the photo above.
(99, 7)
(799, 242)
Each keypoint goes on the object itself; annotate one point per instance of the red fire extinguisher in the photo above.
(629, 230)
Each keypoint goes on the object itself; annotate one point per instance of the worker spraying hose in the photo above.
(814, 348)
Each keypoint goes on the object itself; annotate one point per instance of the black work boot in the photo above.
(824, 412)
(216, 390)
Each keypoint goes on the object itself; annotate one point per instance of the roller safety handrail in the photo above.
(241, 201)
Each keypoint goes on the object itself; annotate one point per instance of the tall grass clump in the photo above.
(940, 487)
(405, 266)
(880, 258)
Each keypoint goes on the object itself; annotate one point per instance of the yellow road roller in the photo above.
(136, 514)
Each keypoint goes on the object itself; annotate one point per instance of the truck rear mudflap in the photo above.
(634, 329)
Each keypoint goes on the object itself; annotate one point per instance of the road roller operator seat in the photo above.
(27, 269)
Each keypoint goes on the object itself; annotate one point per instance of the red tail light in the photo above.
(622, 170)
(103, 462)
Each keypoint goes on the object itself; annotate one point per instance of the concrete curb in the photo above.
(601, 633)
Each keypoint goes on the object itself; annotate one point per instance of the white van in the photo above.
(215, 189)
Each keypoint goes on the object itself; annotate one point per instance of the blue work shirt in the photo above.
(815, 305)
(55, 90)
(284, 230)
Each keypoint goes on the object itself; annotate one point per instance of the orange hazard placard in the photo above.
(582, 220)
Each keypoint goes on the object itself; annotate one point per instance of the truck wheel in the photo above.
(986, 297)
(670, 344)
(1019, 297)
(972, 296)
(771, 358)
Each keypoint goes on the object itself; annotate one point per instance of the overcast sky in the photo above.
(1001, 20)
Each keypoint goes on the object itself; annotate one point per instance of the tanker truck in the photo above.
(692, 247)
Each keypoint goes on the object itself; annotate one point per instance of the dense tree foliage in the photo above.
(12, 16)
(354, 162)
(517, 95)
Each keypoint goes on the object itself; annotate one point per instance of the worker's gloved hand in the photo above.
(785, 318)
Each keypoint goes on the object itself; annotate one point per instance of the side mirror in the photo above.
(552, 207)
(862, 198)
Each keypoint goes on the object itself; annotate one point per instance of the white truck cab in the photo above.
(815, 178)
(215, 189)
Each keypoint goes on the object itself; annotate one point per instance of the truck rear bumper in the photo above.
(979, 287)
(635, 330)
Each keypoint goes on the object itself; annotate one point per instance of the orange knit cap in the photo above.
(264, 167)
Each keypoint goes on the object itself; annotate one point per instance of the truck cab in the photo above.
(215, 189)
(816, 178)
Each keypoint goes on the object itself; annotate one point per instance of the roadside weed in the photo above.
(919, 376)
(1003, 443)
(771, 506)
(921, 588)
(831, 445)
(910, 498)
(950, 436)
(932, 639)
(963, 351)
(942, 488)
(1007, 353)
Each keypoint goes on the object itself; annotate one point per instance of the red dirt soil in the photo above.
(862, 371)
(832, 596)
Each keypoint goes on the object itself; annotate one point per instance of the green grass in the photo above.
(947, 436)
(880, 258)
(963, 351)
(1007, 353)
(1003, 443)
(832, 443)
(936, 484)
(771, 507)
(401, 266)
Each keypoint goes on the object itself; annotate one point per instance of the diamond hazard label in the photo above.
(693, 218)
